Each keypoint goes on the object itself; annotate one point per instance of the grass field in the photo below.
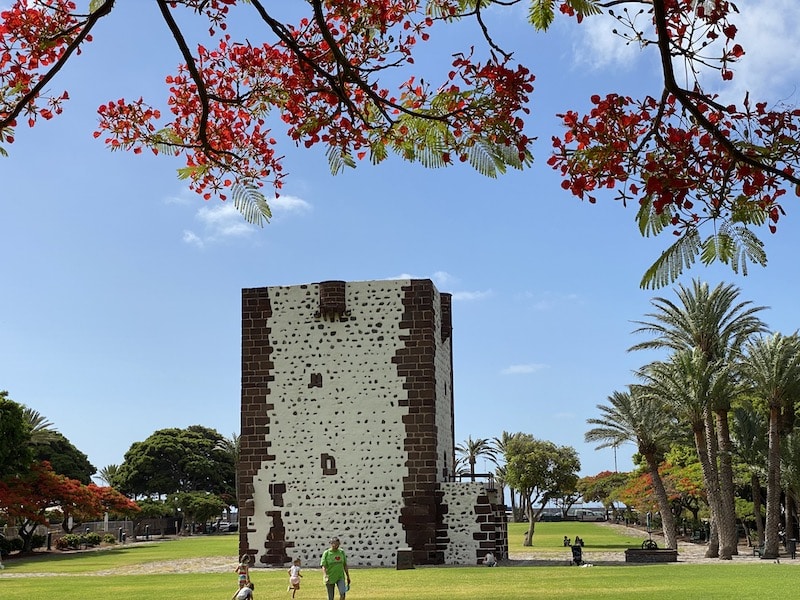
(80, 576)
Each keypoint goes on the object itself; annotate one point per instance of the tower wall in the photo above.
(347, 421)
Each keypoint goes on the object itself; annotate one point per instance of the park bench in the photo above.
(698, 535)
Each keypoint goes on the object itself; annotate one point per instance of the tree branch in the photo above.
(91, 20)
(685, 98)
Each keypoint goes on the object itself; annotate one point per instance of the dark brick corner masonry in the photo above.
(421, 514)
(254, 445)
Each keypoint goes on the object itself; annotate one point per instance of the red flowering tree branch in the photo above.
(690, 161)
(687, 159)
(322, 76)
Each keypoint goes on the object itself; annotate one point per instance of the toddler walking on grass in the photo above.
(294, 577)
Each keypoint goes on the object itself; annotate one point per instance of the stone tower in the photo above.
(347, 428)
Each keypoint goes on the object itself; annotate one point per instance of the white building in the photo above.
(347, 429)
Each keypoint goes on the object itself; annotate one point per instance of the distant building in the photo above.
(347, 429)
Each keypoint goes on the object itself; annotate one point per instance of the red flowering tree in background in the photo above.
(687, 159)
(25, 500)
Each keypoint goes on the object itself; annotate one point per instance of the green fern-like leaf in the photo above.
(166, 141)
(436, 10)
(338, 159)
(541, 14)
(734, 245)
(586, 8)
(378, 152)
(193, 172)
(481, 159)
(672, 262)
(650, 222)
(251, 203)
(744, 210)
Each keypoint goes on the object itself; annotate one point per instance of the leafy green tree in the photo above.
(540, 470)
(15, 433)
(232, 448)
(65, 458)
(177, 460)
(773, 367)
(469, 451)
(197, 507)
(637, 418)
(715, 324)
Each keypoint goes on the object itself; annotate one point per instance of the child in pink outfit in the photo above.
(294, 577)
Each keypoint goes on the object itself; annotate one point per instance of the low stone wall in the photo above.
(638, 555)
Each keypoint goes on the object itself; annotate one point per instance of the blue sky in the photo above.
(120, 309)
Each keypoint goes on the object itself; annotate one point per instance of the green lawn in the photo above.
(549, 537)
(79, 575)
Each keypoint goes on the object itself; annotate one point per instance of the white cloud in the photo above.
(525, 369)
(192, 238)
(599, 48)
(564, 416)
(224, 220)
(443, 279)
(550, 300)
(221, 220)
(288, 204)
(472, 296)
(768, 32)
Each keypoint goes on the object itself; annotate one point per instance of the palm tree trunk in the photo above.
(773, 485)
(728, 533)
(755, 484)
(709, 469)
(667, 518)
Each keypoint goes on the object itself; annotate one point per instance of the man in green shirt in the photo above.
(334, 570)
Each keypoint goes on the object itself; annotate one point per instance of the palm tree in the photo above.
(469, 451)
(633, 417)
(715, 324)
(773, 368)
(684, 385)
(750, 432)
(42, 431)
(790, 476)
(107, 474)
(501, 445)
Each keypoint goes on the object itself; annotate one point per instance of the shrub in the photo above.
(109, 538)
(37, 541)
(62, 543)
(92, 538)
(71, 541)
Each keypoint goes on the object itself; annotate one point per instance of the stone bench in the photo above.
(639, 555)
